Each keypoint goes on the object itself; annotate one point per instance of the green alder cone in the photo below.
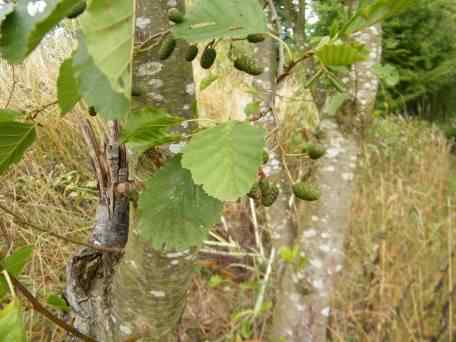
(248, 65)
(256, 38)
(315, 151)
(191, 53)
(265, 157)
(306, 192)
(136, 91)
(92, 111)
(208, 58)
(255, 192)
(269, 193)
(167, 48)
(78, 10)
(176, 16)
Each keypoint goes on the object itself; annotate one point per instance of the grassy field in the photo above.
(398, 274)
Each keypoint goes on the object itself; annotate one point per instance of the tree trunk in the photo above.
(142, 295)
(303, 305)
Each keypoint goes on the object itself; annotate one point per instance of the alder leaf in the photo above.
(375, 12)
(58, 302)
(213, 19)
(15, 139)
(9, 115)
(176, 214)
(148, 128)
(225, 159)
(96, 88)
(23, 29)
(5, 10)
(108, 31)
(15, 263)
(11, 324)
(67, 87)
(341, 53)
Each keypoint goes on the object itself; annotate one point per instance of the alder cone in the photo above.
(77, 10)
(191, 53)
(208, 58)
(176, 16)
(256, 38)
(167, 47)
(92, 111)
(255, 192)
(265, 157)
(269, 193)
(306, 192)
(248, 65)
(315, 151)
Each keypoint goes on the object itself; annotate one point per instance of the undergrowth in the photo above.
(400, 246)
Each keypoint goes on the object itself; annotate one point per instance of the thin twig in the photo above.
(13, 87)
(260, 298)
(46, 313)
(36, 112)
(46, 231)
(256, 228)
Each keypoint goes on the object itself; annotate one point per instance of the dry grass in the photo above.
(395, 284)
(51, 186)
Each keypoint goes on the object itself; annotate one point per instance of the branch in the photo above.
(13, 87)
(46, 313)
(46, 231)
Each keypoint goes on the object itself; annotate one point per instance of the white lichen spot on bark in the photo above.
(125, 330)
(142, 23)
(158, 294)
(36, 7)
(156, 83)
(325, 312)
(310, 233)
(149, 69)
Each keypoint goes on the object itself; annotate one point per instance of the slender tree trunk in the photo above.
(303, 308)
(142, 295)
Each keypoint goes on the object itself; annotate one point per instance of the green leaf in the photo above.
(96, 88)
(252, 108)
(67, 87)
(175, 213)
(24, 29)
(3, 287)
(341, 53)
(148, 128)
(58, 302)
(5, 10)
(11, 324)
(15, 139)
(213, 19)
(206, 82)
(108, 30)
(225, 159)
(387, 73)
(334, 102)
(9, 115)
(16, 262)
(376, 12)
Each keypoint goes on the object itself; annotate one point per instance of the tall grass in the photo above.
(51, 187)
(400, 248)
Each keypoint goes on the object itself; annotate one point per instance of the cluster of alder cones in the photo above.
(243, 63)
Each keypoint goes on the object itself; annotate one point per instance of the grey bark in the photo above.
(141, 295)
(303, 307)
